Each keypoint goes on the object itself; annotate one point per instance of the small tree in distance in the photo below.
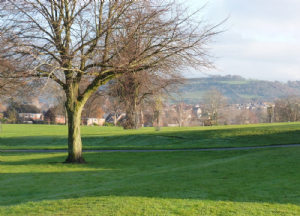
(214, 101)
(181, 114)
(287, 109)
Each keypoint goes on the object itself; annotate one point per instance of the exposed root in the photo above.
(79, 160)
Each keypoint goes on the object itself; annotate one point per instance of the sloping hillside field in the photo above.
(236, 182)
(237, 89)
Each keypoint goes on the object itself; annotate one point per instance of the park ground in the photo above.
(244, 182)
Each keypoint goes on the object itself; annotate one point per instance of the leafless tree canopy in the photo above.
(94, 41)
(69, 40)
(287, 109)
(214, 102)
(181, 114)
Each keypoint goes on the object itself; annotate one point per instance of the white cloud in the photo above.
(263, 39)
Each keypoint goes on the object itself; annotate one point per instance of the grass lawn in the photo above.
(193, 95)
(236, 82)
(247, 182)
(55, 137)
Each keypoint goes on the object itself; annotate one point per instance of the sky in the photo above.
(261, 41)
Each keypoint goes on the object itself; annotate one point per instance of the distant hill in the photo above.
(237, 89)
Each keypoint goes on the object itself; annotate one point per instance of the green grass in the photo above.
(193, 95)
(247, 182)
(55, 137)
(235, 82)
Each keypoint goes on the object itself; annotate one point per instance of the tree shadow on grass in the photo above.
(181, 139)
(33, 142)
(267, 175)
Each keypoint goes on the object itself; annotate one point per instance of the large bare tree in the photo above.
(70, 42)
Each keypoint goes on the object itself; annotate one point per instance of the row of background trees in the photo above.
(285, 109)
(146, 107)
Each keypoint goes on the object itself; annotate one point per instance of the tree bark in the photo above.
(129, 124)
(115, 119)
(142, 118)
(74, 109)
(74, 138)
(132, 118)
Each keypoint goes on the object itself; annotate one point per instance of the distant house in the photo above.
(92, 121)
(29, 113)
(60, 119)
(53, 115)
(120, 117)
(197, 110)
(173, 125)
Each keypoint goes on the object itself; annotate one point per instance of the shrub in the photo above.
(108, 124)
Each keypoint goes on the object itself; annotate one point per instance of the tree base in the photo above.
(129, 126)
(73, 160)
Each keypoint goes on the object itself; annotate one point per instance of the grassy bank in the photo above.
(248, 182)
(55, 137)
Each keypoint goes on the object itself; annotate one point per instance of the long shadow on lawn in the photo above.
(235, 137)
(267, 175)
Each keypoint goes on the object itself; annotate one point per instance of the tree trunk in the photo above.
(74, 110)
(132, 120)
(158, 127)
(66, 117)
(115, 119)
(129, 124)
(142, 118)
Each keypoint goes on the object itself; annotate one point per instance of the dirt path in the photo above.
(162, 150)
